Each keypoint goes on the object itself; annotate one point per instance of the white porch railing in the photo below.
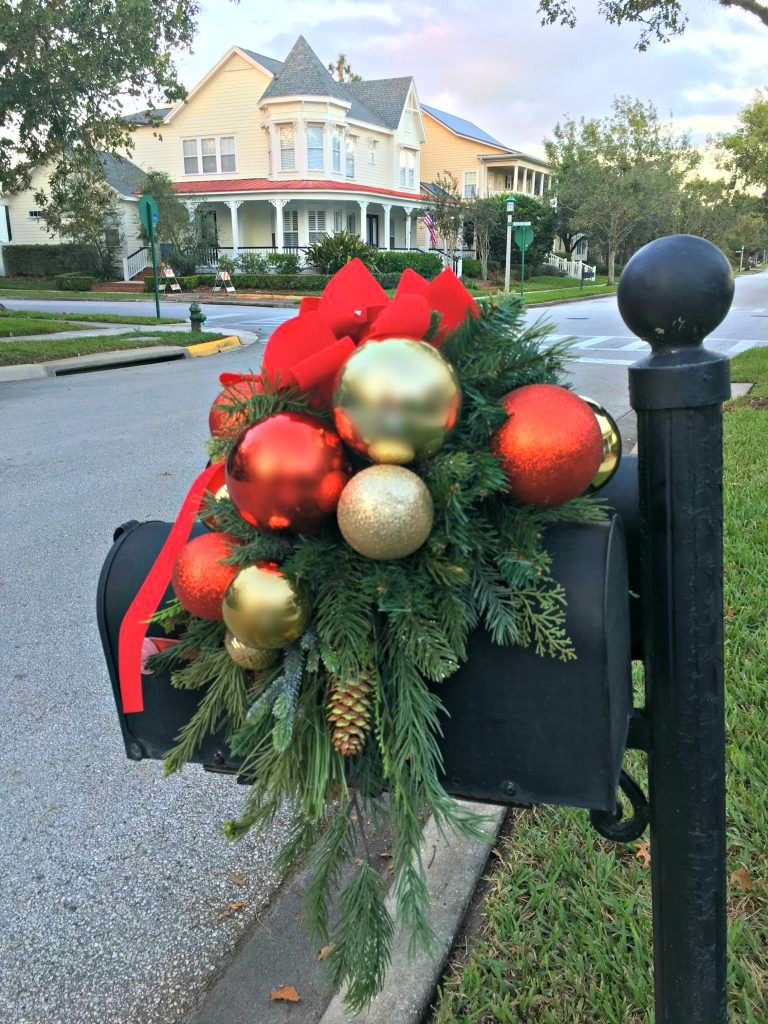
(573, 268)
(135, 263)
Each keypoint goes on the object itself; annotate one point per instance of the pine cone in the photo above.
(349, 715)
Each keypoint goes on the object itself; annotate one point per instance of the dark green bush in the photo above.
(284, 262)
(299, 283)
(49, 260)
(472, 268)
(428, 264)
(547, 270)
(75, 281)
(332, 252)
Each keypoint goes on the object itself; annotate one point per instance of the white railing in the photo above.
(135, 263)
(573, 268)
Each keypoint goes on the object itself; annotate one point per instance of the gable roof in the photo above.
(149, 116)
(460, 126)
(123, 175)
(266, 62)
(384, 97)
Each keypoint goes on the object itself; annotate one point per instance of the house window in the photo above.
(290, 227)
(372, 145)
(509, 182)
(581, 248)
(351, 228)
(314, 147)
(470, 184)
(350, 168)
(407, 168)
(338, 221)
(336, 150)
(210, 155)
(35, 214)
(316, 225)
(287, 148)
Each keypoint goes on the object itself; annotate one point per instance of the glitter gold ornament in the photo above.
(550, 446)
(385, 512)
(253, 658)
(262, 608)
(349, 715)
(611, 445)
(396, 400)
(200, 578)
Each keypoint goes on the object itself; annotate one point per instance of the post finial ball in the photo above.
(675, 290)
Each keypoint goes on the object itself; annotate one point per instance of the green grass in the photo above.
(11, 326)
(14, 352)
(17, 292)
(566, 929)
(69, 318)
(26, 283)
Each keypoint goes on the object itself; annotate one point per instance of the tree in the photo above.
(80, 207)
(188, 232)
(622, 175)
(661, 19)
(341, 70)
(570, 182)
(447, 211)
(542, 217)
(744, 152)
(481, 215)
(66, 69)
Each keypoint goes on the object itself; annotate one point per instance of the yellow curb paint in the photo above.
(211, 348)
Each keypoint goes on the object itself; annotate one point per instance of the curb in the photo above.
(212, 348)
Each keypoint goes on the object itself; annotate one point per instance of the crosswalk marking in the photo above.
(594, 342)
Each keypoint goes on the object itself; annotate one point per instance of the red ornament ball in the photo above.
(287, 472)
(551, 445)
(224, 422)
(200, 579)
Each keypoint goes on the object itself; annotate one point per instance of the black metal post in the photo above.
(673, 293)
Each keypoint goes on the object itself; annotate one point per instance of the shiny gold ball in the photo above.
(611, 445)
(253, 658)
(262, 608)
(385, 512)
(396, 400)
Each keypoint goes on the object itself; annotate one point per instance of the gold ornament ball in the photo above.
(396, 400)
(253, 658)
(385, 512)
(263, 609)
(611, 445)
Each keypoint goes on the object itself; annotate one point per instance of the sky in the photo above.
(496, 65)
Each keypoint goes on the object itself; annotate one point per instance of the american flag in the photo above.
(429, 224)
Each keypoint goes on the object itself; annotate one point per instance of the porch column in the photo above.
(387, 212)
(363, 223)
(233, 205)
(514, 180)
(408, 212)
(278, 205)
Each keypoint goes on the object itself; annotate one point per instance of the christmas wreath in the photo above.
(378, 491)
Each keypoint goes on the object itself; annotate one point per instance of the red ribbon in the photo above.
(133, 628)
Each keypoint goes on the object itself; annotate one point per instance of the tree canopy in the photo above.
(67, 67)
(661, 19)
(744, 152)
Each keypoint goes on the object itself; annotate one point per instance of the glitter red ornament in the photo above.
(287, 472)
(223, 422)
(199, 578)
(551, 445)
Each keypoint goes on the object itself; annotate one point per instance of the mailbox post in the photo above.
(674, 292)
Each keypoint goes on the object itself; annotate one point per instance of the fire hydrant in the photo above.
(197, 318)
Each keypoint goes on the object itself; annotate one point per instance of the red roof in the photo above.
(302, 185)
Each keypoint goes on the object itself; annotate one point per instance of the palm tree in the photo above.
(341, 70)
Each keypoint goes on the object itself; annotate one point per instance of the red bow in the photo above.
(309, 350)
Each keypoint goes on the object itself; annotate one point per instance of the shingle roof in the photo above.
(296, 185)
(462, 126)
(266, 62)
(125, 177)
(148, 116)
(384, 97)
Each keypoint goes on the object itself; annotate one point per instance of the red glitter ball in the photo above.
(199, 578)
(223, 422)
(287, 472)
(551, 445)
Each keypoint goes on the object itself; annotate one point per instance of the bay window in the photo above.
(336, 150)
(350, 168)
(287, 148)
(314, 147)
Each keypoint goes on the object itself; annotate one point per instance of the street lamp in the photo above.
(510, 214)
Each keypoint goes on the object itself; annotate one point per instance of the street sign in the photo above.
(148, 213)
(521, 223)
(523, 236)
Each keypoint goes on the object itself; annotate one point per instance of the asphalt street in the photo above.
(119, 899)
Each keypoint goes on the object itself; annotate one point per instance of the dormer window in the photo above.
(287, 148)
(350, 168)
(315, 147)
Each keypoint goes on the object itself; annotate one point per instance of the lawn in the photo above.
(14, 352)
(566, 930)
(14, 291)
(11, 326)
(69, 318)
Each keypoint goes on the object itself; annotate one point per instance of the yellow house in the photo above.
(481, 164)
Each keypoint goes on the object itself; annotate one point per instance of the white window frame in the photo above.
(285, 163)
(350, 145)
(373, 145)
(470, 185)
(336, 139)
(312, 151)
(291, 227)
(581, 248)
(35, 214)
(317, 233)
(198, 155)
(407, 167)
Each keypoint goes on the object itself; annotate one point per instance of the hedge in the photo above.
(75, 282)
(428, 264)
(49, 260)
(472, 268)
(299, 283)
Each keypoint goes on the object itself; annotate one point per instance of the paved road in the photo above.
(114, 881)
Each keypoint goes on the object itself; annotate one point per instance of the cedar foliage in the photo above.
(403, 625)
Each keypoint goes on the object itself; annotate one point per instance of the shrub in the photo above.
(428, 264)
(284, 262)
(472, 268)
(49, 260)
(333, 252)
(547, 270)
(494, 267)
(75, 281)
(252, 263)
(227, 264)
(298, 283)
